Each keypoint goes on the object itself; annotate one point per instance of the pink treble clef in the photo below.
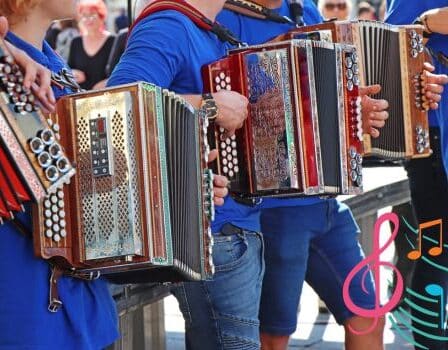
(373, 262)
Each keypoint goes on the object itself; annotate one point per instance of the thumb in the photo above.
(212, 155)
(369, 90)
(3, 26)
(429, 67)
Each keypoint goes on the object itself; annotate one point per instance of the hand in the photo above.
(374, 112)
(3, 26)
(432, 86)
(79, 75)
(232, 110)
(220, 182)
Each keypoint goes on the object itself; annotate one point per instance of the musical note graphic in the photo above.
(434, 251)
(437, 291)
(373, 262)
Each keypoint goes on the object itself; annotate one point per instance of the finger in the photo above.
(44, 76)
(383, 115)
(440, 79)
(433, 97)
(377, 123)
(428, 66)
(369, 90)
(41, 95)
(3, 26)
(220, 192)
(435, 88)
(374, 133)
(30, 75)
(212, 155)
(434, 105)
(218, 201)
(227, 133)
(220, 181)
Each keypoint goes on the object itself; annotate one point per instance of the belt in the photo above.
(229, 230)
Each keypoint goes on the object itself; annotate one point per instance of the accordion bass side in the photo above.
(303, 133)
(142, 195)
(393, 57)
(32, 160)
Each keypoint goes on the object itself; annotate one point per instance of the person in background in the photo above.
(366, 11)
(52, 34)
(64, 39)
(121, 21)
(339, 9)
(89, 53)
(427, 177)
(87, 318)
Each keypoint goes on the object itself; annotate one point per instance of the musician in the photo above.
(427, 177)
(338, 9)
(87, 318)
(307, 238)
(166, 48)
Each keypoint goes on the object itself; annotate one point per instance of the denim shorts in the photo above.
(317, 243)
(223, 313)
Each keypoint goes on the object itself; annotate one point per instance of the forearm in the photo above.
(436, 20)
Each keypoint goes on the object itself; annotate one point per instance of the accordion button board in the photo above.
(142, 197)
(304, 119)
(33, 163)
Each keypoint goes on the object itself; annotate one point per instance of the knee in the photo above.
(274, 342)
(368, 329)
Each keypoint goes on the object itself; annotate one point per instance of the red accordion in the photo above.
(303, 135)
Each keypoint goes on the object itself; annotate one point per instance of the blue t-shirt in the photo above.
(168, 50)
(87, 319)
(255, 31)
(405, 12)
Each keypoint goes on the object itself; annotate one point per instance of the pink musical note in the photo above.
(434, 251)
(373, 262)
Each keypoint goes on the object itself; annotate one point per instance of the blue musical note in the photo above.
(437, 291)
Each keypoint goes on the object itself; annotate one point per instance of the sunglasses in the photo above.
(331, 7)
(90, 17)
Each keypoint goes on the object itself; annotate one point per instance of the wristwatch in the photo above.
(209, 105)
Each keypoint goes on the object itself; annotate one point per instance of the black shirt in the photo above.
(94, 67)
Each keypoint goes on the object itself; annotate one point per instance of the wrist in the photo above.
(423, 20)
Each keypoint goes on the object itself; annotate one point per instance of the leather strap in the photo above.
(254, 10)
(54, 302)
(191, 12)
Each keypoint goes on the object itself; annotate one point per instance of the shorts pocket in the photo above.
(229, 251)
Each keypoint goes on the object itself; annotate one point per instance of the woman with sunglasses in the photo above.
(89, 53)
(87, 318)
(339, 9)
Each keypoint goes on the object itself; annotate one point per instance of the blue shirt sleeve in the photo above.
(311, 14)
(151, 54)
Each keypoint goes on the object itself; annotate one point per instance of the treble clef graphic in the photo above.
(373, 262)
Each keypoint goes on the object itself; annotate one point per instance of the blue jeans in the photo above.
(223, 313)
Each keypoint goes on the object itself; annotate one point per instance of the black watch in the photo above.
(209, 105)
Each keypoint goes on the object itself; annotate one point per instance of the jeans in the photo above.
(223, 313)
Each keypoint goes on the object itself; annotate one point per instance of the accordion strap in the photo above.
(193, 14)
(252, 9)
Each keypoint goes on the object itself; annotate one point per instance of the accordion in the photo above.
(142, 196)
(303, 135)
(33, 163)
(393, 57)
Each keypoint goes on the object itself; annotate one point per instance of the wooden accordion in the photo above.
(303, 135)
(33, 163)
(142, 197)
(393, 57)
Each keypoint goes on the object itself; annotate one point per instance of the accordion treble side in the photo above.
(140, 195)
(283, 148)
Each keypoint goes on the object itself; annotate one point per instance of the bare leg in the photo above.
(371, 341)
(274, 342)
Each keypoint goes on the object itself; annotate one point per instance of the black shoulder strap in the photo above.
(252, 9)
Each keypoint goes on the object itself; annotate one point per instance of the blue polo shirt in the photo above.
(255, 31)
(405, 12)
(168, 50)
(87, 319)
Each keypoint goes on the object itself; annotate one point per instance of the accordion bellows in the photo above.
(303, 135)
(392, 56)
(142, 195)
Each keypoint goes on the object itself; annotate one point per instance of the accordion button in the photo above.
(44, 159)
(348, 62)
(62, 214)
(413, 34)
(359, 158)
(57, 238)
(224, 161)
(62, 223)
(52, 173)
(217, 80)
(230, 165)
(225, 169)
(36, 145)
(354, 175)
(352, 152)
(47, 204)
(353, 164)
(218, 88)
(350, 85)
(48, 223)
(359, 181)
(228, 80)
(48, 233)
(47, 136)
(56, 228)
(235, 161)
(414, 53)
(222, 75)
(55, 208)
(231, 173)
(47, 213)
(63, 233)
(55, 217)
(234, 153)
(55, 151)
(349, 74)
(223, 145)
(414, 43)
